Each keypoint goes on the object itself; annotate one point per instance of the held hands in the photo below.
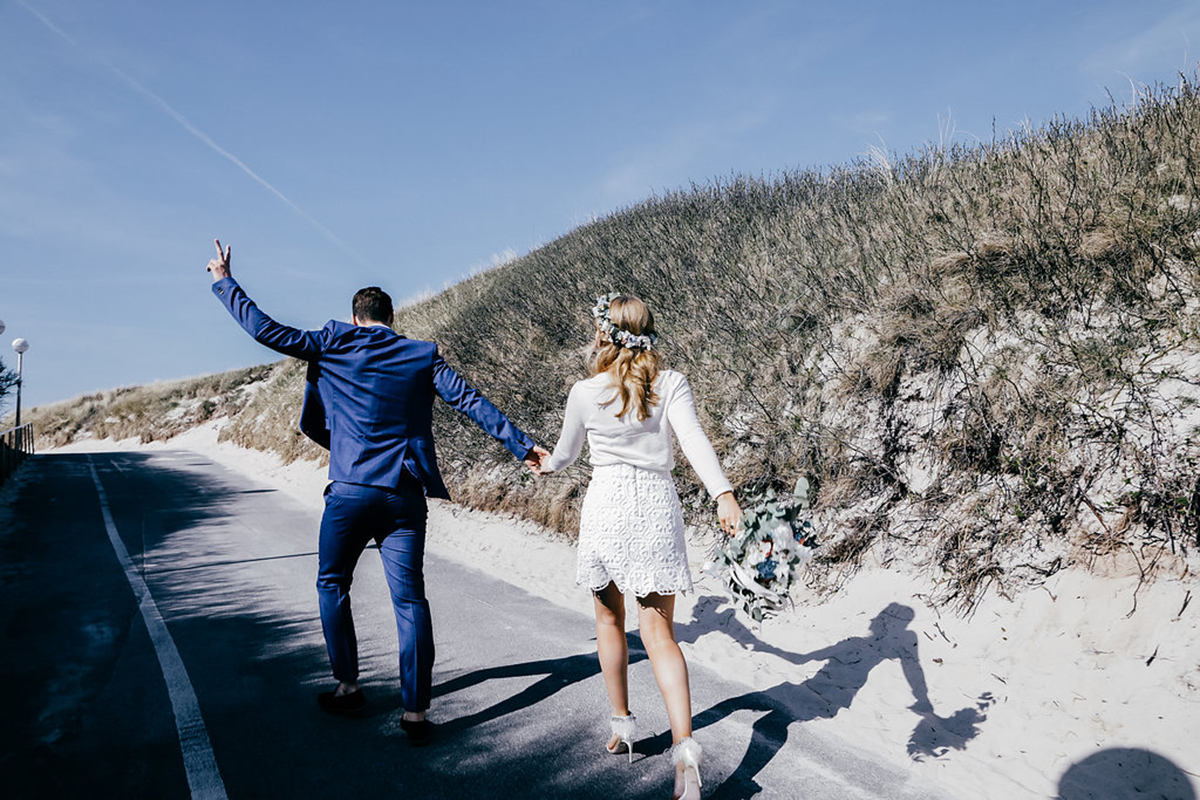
(534, 458)
(219, 266)
(728, 512)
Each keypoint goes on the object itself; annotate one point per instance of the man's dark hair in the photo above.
(373, 304)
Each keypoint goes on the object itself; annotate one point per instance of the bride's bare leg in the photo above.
(656, 622)
(613, 648)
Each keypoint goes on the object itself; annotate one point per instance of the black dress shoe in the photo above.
(334, 703)
(419, 731)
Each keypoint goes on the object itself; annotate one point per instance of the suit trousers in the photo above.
(395, 519)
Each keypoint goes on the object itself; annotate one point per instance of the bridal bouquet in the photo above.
(775, 537)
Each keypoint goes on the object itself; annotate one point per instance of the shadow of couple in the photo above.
(832, 688)
(848, 665)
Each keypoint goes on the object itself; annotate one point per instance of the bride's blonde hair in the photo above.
(634, 367)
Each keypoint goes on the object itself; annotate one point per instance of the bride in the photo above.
(631, 527)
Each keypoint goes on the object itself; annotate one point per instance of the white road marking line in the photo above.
(203, 777)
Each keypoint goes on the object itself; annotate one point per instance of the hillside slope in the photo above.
(986, 357)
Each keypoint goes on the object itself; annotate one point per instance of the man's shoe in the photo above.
(335, 703)
(419, 731)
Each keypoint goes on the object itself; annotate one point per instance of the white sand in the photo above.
(1020, 691)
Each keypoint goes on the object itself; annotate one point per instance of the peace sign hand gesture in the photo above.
(219, 266)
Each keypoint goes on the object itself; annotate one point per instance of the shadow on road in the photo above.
(93, 718)
(559, 673)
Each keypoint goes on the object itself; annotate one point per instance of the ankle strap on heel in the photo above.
(687, 752)
(624, 726)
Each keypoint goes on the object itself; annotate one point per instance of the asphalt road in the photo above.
(91, 704)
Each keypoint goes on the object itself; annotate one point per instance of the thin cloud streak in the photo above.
(191, 128)
(187, 125)
(46, 22)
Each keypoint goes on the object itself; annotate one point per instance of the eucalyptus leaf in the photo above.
(801, 492)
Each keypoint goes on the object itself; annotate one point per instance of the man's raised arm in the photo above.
(280, 338)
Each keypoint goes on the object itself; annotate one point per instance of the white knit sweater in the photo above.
(625, 440)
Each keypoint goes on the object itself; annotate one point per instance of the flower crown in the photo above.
(618, 336)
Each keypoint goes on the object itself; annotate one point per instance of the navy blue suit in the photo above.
(369, 399)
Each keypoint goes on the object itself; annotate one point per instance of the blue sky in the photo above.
(337, 145)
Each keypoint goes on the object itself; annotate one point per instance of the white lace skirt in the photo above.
(631, 533)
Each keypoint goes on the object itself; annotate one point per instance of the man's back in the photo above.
(377, 389)
(370, 396)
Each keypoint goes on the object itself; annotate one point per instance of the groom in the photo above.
(369, 401)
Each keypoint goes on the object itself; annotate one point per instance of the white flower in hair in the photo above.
(621, 338)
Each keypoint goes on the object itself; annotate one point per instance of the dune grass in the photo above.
(150, 413)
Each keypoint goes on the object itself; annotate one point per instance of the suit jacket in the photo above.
(369, 396)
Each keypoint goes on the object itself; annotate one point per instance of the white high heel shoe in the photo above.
(624, 728)
(688, 753)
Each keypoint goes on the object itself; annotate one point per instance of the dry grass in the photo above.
(149, 413)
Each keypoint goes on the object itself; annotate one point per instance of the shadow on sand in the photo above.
(1119, 773)
(848, 664)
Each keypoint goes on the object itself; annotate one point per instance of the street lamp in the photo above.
(19, 345)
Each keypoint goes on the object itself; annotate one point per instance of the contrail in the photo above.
(170, 111)
(45, 21)
(188, 126)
